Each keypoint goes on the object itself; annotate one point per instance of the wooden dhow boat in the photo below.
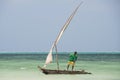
(54, 47)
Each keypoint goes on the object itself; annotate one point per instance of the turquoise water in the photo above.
(100, 65)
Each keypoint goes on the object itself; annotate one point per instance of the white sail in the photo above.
(49, 57)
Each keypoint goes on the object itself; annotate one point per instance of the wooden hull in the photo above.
(48, 71)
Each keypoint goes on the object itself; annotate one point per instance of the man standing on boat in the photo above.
(72, 60)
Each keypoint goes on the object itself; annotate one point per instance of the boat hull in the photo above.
(49, 71)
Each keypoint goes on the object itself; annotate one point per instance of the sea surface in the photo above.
(23, 66)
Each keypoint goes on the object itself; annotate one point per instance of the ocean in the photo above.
(23, 66)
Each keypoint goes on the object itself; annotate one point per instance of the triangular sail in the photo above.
(49, 57)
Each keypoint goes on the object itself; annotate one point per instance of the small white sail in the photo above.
(49, 57)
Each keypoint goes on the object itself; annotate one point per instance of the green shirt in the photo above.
(72, 57)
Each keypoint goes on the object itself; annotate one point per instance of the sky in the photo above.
(33, 25)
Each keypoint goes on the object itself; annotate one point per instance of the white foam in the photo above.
(22, 68)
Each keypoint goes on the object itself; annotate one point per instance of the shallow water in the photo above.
(24, 67)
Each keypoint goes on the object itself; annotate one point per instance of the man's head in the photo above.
(75, 53)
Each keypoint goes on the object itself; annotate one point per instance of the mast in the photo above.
(57, 57)
(62, 30)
